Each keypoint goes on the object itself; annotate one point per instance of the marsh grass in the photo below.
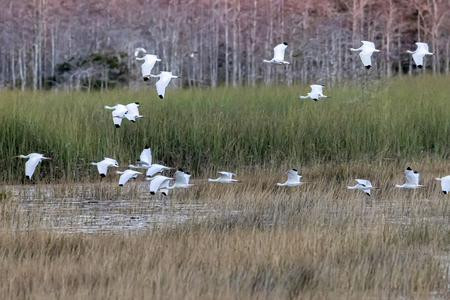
(244, 128)
(255, 241)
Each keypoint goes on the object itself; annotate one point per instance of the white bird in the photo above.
(411, 180)
(366, 52)
(119, 112)
(293, 179)
(316, 92)
(149, 62)
(421, 51)
(181, 182)
(278, 55)
(126, 175)
(103, 165)
(225, 177)
(445, 184)
(133, 112)
(163, 82)
(32, 162)
(363, 185)
(159, 181)
(146, 163)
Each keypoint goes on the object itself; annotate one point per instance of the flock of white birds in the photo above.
(181, 178)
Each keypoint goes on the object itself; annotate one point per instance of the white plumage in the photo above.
(316, 92)
(149, 62)
(293, 179)
(278, 55)
(225, 177)
(126, 175)
(133, 111)
(421, 51)
(411, 180)
(32, 162)
(103, 165)
(367, 49)
(119, 112)
(159, 181)
(163, 82)
(445, 184)
(146, 163)
(363, 185)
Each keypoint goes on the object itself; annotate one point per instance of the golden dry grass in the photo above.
(255, 240)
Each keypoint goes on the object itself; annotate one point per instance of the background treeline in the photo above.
(89, 44)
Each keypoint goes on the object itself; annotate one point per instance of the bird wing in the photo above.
(410, 177)
(102, 166)
(157, 181)
(155, 168)
(148, 65)
(418, 58)
(188, 176)
(368, 45)
(162, 83)
(133, 111)
(365, 57)
(364, 182)
(367, 191)
(126, 176)
(111, 161)
(316, 88)
(416, 178)
(278, 51)
(146, 156)
(31, 164)
(226, 174)
(180, 177)
(292, 175)
(445, 183)
(422, 46)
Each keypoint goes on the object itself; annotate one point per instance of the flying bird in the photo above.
(363, 185)
(445, 184)
(411, 180)
(163, 82)
(366, 52)
(133, 112)
(103, 165)
(32, 162)
(181, 182)
(225, 177)
(159, 181)
(119, 112)
(278, 55)
(316, 92)
(146, 163)
(421, 51)
(126, 175)
(149, 62)
(293, 179)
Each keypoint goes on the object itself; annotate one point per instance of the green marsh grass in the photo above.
(236, 129)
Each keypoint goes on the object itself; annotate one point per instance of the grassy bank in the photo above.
(205, 130)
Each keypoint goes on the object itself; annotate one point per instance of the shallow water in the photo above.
(91, 208)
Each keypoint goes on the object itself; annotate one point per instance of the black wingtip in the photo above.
(315, 99)
(294, 170)
(147, 147)
(368, 194)
(103, 175)
(161, 96)
(187, 173)
(181, 170)
(420, 66)
(137, 103)
(27, 177)
(152, 193)
(120, 184)
(445, 192)
(145, 78)
(285, 43)
(164, 194)
(133, 121)
(409, 169)
(117, 126)
(415, 172)
(368, 67)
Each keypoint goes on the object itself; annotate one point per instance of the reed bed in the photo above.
(244, 128)
(255, 241)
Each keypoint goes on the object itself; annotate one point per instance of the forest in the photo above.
(86, 45)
